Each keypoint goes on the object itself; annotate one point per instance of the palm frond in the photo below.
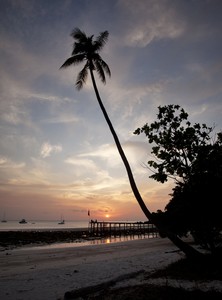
(78, 48)
(78, 35)
(103, 64)
(101, 40)
(82, 77)
(105, 67)
(100, 71)
(73, 60)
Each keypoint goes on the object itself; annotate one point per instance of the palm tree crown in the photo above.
(87, 49)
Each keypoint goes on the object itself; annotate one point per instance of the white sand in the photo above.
(46, 274)
(49, 273)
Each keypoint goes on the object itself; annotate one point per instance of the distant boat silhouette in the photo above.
(23, 221)
(62, 222)
(4, 219)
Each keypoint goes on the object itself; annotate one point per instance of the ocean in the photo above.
(54, 225)
(42, 225)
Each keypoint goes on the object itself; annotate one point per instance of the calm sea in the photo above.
(43, 225)
(53, 225)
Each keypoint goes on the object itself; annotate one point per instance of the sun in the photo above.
(107, 216)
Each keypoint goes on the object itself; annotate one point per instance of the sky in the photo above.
(57, 155)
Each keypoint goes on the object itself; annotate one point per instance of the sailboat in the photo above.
(4, 219)
(62, 222)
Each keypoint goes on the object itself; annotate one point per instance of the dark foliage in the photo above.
(187, 153)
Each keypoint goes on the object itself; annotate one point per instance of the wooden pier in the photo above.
(101, 229)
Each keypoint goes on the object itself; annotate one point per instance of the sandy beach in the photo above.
(48, 273)
(54, 272)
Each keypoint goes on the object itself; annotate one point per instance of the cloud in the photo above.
(47, 149)
(150, 20)
(135, 151)
(82, 163)
(8, 164)
(105, 152)
(63, 118)
(15, 115)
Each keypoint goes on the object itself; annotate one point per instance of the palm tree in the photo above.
(86, 49)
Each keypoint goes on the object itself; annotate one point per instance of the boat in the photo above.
(23, 221)
(61, 222)
(4, 219)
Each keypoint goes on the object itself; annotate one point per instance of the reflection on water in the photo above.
(93, 241)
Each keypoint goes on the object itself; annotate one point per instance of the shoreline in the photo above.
(25, 237)
(44, 237)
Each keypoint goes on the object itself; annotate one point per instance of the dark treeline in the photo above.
(191, 155)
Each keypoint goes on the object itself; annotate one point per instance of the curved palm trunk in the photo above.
(122, 154)
(187, 249)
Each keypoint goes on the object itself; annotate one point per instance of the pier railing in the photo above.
(100, 229)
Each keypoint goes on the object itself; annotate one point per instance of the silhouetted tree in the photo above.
(195, 203)
(86, 49)
(185, 153)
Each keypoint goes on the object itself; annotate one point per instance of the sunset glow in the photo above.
(57, 155)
